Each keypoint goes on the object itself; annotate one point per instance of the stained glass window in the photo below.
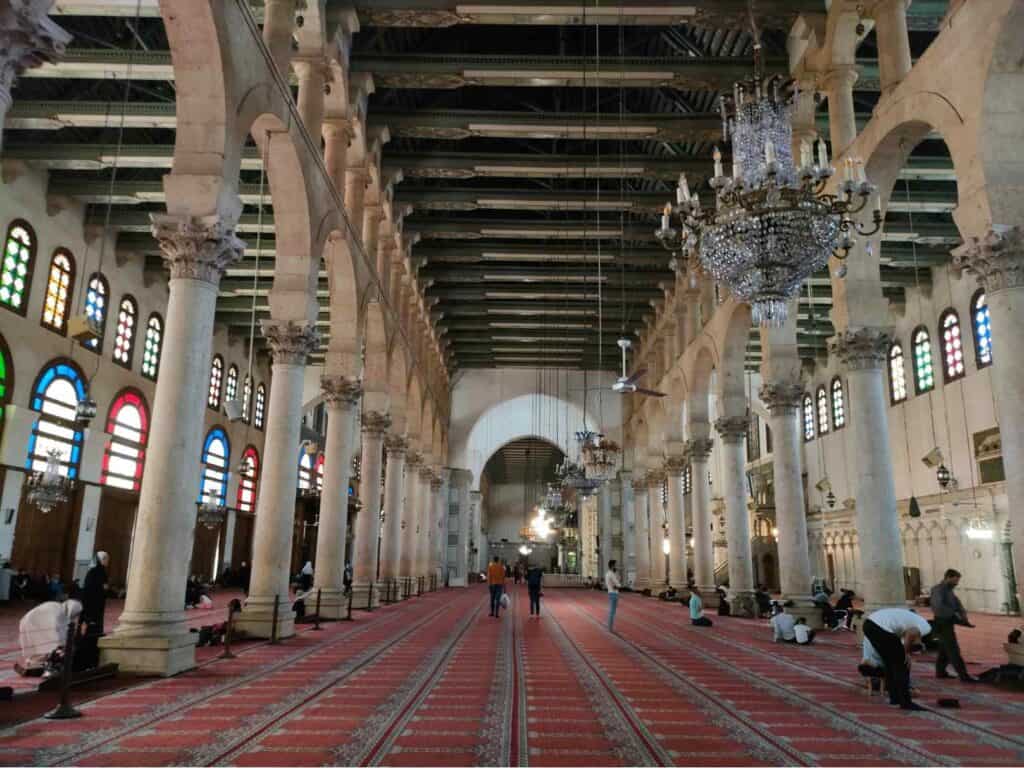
(248, 474)
(319, 471)
(982, 326)
(260, 407)
(128, 426)
(822, 398)
(216, 379)
(124, 341)
(808, 408)
(952, 346)
(154, 344)
(897, 374)
(96, 294)
(6, 381)
(305, 469)
(16, 271)
(55, 396)
(838, 404)
(216, 455)
(231, 384)
(924, 371)
(59, 285)
(247, 399)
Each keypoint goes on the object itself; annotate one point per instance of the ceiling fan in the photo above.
(626, 385)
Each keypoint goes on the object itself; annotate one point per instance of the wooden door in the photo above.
(204, 551)
(241, 548)
(45, 543)
(114, 529)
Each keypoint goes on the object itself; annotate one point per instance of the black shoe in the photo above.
(912, 707)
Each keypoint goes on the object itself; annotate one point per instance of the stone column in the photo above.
(290, 345)
(391, 549)
(438, 510)
(628, 564)
(656, 528)
(342, 396)
(733, 432)
(698, 450)
(894, 60)
(410, 519)
(364, 566)
(152, 636)
(312, 76)
(842, 117)
(674, 468)
(641, 533)
(997, 261)
(28, 38)
(604, 511)
(372, 214)
(355, 191)
(461, 478)
(424, 514)
(278, 25)
(337, 133)
(783, 402)
(476, 532)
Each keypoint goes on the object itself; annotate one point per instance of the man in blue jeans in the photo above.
(612, 584)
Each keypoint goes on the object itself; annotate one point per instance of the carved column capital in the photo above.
(341, 391)
(781, 395)
(395, 445)
(338, 129)
(699, 448)
(436, 483)
(732, 429)
(426, 474)
(639, 485)
(654, 477)
(996, 260)
(413, 459)
(375, 423)
(196, 247)
(840, 77)
(28, 38)
(861, 349)
(290, 342)
(675, 465)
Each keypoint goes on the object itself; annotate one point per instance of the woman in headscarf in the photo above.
(306, 576)
(94, 593)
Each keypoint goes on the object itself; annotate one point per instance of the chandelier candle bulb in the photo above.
(666, 214)
(806, 160)
(822, 154)
(769, 154)
(717, 155)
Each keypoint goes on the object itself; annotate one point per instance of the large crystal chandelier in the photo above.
(48, 488)
(773, 225)
(600, 456)
(211, 513)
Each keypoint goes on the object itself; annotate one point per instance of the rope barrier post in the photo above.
(273, 626)
(229, 629)
(64, 710)
(316, 616)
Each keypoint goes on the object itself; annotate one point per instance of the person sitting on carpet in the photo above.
(764, 601)
(724, 609)
(697, 617)
(891, 633)
(782, 628)
(803, 635)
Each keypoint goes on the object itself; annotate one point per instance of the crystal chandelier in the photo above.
(600, 456)
(773, 225)
(49, 488)
(211, 512)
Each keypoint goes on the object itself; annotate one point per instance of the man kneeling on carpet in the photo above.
(697, 617)
(889, 635)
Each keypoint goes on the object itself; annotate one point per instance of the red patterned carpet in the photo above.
(436, 681)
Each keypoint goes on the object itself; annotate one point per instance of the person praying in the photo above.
(889, 635)
(94, 593)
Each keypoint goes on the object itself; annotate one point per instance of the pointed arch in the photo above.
(19, 259)
(56, 393)
(124, 338)
(128, 427)
(60, 286)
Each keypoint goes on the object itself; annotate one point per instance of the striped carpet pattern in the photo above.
(435, 681)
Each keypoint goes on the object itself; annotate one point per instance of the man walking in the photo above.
(534, 577)
(496, 583)
(612, 584)
(948, 612)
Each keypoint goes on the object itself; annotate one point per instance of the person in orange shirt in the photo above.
(496, 583)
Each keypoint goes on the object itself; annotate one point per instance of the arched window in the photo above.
(58, 388)
(952, 346)
(124, 341)
(216, 455)
(305, 470)
(822, 400)
(248, 475)
(16, 271)
(838, 404)
(247, 400)
(982, 328)
(216, 377)
(924, 371)
(897, 374)
(808, 408)
(231, 383)
(96, 294)
(59, 285)
(260, 407)
(319, 472)
(128, 427)
(6, 381)
(154, 343)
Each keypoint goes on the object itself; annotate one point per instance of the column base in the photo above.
(365, 596)
(709, 596)
(640, 584)
(743, 603)
(406, 587)
(333, 603)
(257, 618)
(807, 610)
(159, 655)
(457, 581)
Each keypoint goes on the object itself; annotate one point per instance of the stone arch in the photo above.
(375, 360)
(414, 411)
(344, 350)
(702, 369)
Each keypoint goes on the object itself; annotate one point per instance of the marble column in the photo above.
(783, 402)
(604, 511)
(894, 61)
(341, 396)
(733, 433)
(410, 519)
(278, 26)
(423, 514)
(311, 72)
(698, 450)
(394, 479)
(438, 510)
(675, 466)
(627, 565)
(337, 133)
(476, 535)
(290, 345)
(364, 567)
(656, 528)
(997, 261)
(842, 117)
(641, 533)
(152, 636)
(461, 479)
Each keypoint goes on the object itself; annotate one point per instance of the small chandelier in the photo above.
(211, 512)
(773, 225)
(600, 456)
(943, 476)
(48, 488)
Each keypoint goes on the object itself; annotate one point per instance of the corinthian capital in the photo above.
(639, 485)
(426, 474)
(196, 248)
(675, 465)
(861, 349)
(290, 342)
(699, 448)
(436, 483)
(341, 391)
(413, 459)
(375, 423)
(996, 260)
(28, 38)
(732, 429)
(781, 395)
(654, 477)
(395, 445)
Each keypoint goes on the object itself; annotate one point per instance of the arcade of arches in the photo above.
(343, 282)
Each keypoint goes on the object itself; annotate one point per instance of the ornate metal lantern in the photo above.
(48, 488)
(211, 513)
